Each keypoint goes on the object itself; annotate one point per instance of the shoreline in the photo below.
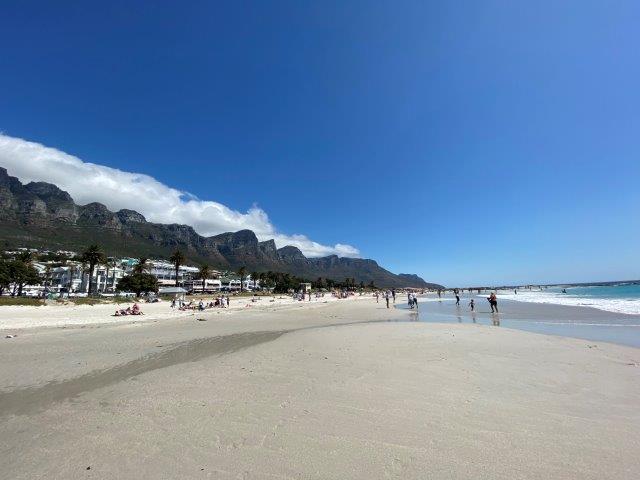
(582, 322)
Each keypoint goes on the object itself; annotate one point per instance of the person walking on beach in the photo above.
(493, 301)
(457, 297)
(472, 305)
(377, 295)
(386, 297)
(393, 294)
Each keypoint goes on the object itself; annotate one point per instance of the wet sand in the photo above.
(340, 390)
(563, 320)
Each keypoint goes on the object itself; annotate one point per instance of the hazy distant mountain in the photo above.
(41, 215)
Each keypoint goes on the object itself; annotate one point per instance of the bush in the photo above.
(33, 302)
(138, 283)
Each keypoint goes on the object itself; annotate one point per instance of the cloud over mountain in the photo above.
(87, 182)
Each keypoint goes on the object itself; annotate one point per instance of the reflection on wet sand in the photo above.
(26, 400)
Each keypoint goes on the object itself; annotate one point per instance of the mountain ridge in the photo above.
(41, 214)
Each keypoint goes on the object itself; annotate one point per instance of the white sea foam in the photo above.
(618, 305)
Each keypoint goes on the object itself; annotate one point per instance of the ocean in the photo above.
(621, 298)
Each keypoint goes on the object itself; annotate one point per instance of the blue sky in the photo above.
(469, 142)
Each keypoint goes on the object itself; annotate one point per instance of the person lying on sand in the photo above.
(136, 310)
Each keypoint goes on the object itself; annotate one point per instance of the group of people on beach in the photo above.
(492, 299)
(387, 295)
(390, 296)
(220, 302)
(412, 299)
(135, 310)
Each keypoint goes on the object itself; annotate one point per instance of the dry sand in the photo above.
(68, 314)
(328, 391)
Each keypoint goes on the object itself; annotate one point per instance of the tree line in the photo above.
(18, 272)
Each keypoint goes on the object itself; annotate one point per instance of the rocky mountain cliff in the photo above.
(41, 215)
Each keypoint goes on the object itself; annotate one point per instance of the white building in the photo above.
(210, 285)
(73, 278)
(105, 279)
(67, 278)
(233, 284)
(165, 272)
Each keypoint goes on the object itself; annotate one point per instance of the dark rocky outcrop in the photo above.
(130, 216)
(291, 254)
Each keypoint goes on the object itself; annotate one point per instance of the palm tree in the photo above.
(93, 256)
(254, 277)
(204, 273)
(142, 266)
(107, 265)
(73, 270)
(113, 264)
(242, 271)
(47, 276)
(177, 258)
(110, 264)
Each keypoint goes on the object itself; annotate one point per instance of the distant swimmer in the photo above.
(564, 290)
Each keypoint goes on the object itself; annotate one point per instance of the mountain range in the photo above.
(41, 215)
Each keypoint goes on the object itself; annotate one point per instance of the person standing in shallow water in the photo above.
(493, 301)
(472, 305)
(457, 297)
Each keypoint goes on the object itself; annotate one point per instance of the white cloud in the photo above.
(88, 182)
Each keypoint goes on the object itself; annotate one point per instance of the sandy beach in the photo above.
(344, 389)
